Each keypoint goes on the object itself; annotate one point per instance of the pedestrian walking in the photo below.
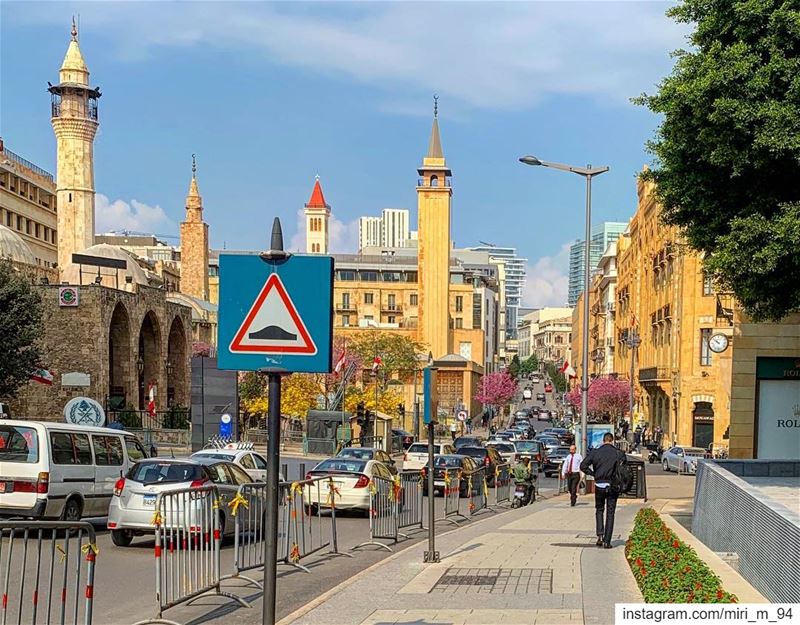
(571, 471)
(469, 426)
(637, 438)
(453, 430)
(601, 462)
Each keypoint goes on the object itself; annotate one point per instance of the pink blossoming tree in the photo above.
(606, 396)
(496, 389)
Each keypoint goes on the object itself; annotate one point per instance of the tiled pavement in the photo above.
(533, 566)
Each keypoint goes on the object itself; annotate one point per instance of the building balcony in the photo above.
(653, 374)
(345, 307)
(391, 308)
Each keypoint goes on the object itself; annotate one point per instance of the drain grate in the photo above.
(495, 581)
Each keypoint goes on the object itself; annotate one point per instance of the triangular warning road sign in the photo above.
(273, 325)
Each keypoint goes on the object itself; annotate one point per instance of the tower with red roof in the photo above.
(318, 215)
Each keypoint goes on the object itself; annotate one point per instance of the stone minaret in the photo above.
(194, 244)
(433, 214)
(318, 215)
(74, 119)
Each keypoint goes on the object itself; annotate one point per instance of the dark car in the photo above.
(535, 450)
(562, 433)
(554, 460)
(450, 462)
(550, 442)
(487, 457)
(401, 439)
(541, 397)
(467, 441)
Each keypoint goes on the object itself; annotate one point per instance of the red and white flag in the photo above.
(634, 321)
(341, 361)
(151, 400)
(42, 376)
(375, 364)
(567, 369)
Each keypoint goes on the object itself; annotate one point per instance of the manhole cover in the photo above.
(495, 581)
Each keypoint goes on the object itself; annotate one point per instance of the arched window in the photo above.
(434, 181)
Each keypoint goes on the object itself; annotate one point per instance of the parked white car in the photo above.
(507, 449)
(61, 471)
(682, 459)
(416, 456)
(351, 478)
(252, 462)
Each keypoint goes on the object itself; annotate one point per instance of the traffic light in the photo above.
(401, 410)
(360, 413)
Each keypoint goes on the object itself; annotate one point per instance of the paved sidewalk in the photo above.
(534, 566)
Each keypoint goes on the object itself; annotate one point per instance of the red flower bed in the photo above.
(666, 569)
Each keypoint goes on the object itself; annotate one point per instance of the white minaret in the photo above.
(74, 119)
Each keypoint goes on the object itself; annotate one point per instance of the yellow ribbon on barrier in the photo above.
(485, 488)
(469, 484)
(294, 555)
(90, 548)
(372, 488)
(61, 553)
(156, 518)
(296, 487)
(421, 481)
(237, 501)
(332, 492)
(447, 481)
(397, 488)
(216, 503)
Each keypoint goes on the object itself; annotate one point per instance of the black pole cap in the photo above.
(276, 251)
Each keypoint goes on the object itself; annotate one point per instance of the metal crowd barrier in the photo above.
(41, 572)
(384, 522)
(249, 510)
(308, 530)
(478, 491)
(452, 495)
(503, 484)
(410, 507)
(187, 548)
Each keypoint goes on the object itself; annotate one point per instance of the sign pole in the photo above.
(430, 413)
(271, 529)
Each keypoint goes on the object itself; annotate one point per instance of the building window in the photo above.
(392, 301)
(705, 351)
(345, 321)
(345, 300)
(9, 219)
(369, 276)
(459, 323)
(434, 181)
(367, 298)
(19, 223)
(346, 275)
(414, 299)
(459, 303)
(708, 284)
(392, 319)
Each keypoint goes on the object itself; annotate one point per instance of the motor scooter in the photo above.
(654, 454)
(523, 494)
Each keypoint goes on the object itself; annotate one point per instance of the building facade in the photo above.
(391, 229)
(28, 203)
(370, 232)
(512, 278)
(602, 236)
(602, 323)
(665, 298)
(545, 333)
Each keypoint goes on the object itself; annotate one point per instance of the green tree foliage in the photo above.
(514, 367)
(559, 381)
(398, 353)
(727, 153)
(530, 365)
(20, 329)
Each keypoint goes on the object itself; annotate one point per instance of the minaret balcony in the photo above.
(422, 182)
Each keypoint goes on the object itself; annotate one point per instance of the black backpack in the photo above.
(623, 476)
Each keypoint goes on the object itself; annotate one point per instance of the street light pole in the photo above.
(587, 172)
(633, 343)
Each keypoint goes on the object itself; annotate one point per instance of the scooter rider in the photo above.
(523, 475)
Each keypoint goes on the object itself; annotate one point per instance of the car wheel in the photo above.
(666, 465)
(652, 459)
(121, 538)
(72, 510)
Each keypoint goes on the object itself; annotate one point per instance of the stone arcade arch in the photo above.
(121, 377)
(177, 359)
(148, 360)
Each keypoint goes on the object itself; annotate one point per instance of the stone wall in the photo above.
(76, 339)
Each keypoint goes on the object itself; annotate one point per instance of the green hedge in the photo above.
(668, 570)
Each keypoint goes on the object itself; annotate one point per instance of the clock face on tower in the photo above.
(718, 343)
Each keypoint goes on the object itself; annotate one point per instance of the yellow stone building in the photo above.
(663, 295)
(28, 205)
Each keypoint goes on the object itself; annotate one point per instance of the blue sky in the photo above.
(270, 94)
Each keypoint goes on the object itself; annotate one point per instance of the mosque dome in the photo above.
(13, 247)
(111, 278)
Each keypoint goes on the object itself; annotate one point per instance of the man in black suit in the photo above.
(601, 462)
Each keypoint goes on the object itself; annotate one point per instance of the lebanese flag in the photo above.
(341, 362)
(151, 400)
(375, 364)
(567, 369)
(42, 376)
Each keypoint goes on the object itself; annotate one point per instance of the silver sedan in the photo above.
(682, 459)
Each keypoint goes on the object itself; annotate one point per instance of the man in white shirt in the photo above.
(571, 471)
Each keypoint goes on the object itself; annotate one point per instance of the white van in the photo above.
(61, 471)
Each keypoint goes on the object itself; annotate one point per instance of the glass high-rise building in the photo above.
(602, 235)
(514, 271)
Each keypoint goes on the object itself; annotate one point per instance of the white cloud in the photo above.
(343, 238)
(485, 55)
(546, 282)
(135, 216)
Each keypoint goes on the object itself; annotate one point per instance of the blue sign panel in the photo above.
(430, 396)
(275, 314)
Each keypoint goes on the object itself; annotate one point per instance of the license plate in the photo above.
(3, 487)
(519, 494)
(149, 500)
